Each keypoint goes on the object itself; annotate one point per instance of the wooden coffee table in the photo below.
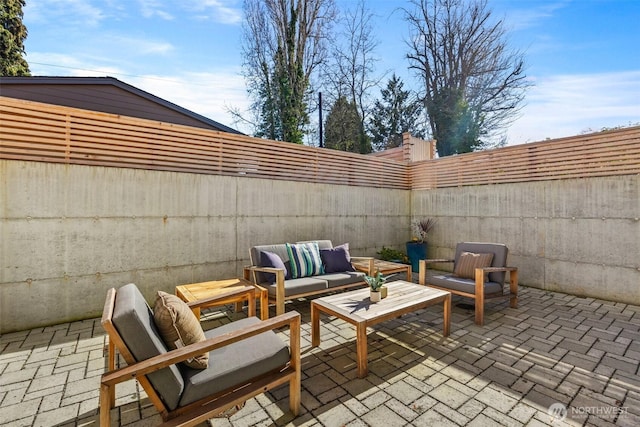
(355, 308)
(204, 290)
(384, 267)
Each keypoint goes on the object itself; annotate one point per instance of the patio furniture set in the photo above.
(191, 375)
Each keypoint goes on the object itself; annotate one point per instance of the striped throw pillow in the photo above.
(469, 261)
(305, 259)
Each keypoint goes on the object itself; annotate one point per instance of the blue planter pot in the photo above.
(416, 251)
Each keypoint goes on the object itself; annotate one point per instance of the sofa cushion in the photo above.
(235, 363)
(453, 283)
(271, 259)
(255, 254)
(299, 286)
(133, 319)
(336, 260)
(343, 278)
(178, 326)
(305, 259)
(468, 262)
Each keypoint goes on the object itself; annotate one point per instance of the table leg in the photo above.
(409, 274)
(361, 349)
(264, 305)
(251, 303)
(315, 325)
(447, 316)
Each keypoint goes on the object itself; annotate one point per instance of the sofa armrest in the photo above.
(145, 367)
(250, 274)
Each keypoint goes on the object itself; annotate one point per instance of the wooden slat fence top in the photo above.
(33, 131)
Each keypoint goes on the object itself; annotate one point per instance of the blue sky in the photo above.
(582, 55)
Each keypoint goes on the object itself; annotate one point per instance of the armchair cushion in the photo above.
(235, 363)
(305, 259)
(178, 326)
(454, 283)
(336, 260)
(133, 319)
(468, 262)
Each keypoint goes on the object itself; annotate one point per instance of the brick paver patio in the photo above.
(574, 355)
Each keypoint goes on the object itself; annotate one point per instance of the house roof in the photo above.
(104, 94)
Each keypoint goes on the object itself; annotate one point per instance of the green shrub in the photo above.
(389, 254)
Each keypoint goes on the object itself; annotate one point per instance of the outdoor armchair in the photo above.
(246, 358)
(479, 271)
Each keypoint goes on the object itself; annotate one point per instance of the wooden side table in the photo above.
(204, 290)
(384, 267)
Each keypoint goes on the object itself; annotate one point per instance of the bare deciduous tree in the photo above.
(349, 71)
(284, 42)
(473, 84)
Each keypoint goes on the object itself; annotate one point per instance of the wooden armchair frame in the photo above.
(479, 296)
(214, 404)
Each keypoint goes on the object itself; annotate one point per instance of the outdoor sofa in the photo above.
(294, 270)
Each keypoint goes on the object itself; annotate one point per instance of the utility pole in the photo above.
(320, 116)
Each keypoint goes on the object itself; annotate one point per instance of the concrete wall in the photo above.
(71, 232)
(578, 236)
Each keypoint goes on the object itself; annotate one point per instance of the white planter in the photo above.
(375, 296)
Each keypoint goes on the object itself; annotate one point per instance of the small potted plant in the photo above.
(376, 283)
(417, 247)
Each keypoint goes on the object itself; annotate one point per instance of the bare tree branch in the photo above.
(473, 84)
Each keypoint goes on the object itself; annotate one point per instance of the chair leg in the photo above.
(112, 367)
(105, 405)
(479, 296)
(513, 288)
(294, 383)
(479, 311)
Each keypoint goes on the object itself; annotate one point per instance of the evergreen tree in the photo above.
(395, 114)
(12, 36)
(343, 128)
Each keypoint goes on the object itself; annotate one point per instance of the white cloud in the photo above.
(210, 94)
(520, 19)
(139, 46)
(151, 8)
(55, 64)
(566, 105)
(64, 12)
(222, 11)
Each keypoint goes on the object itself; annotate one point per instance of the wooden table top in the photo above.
(403, 297)
(383, 266)
(202, 290)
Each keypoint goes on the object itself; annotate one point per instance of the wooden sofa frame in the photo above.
(206, 408)
(279, 299)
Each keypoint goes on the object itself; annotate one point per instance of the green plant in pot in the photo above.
(417, 248)
(376, 285)
(394, 255)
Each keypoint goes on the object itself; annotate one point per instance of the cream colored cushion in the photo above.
(178, 326)
(469, 261)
